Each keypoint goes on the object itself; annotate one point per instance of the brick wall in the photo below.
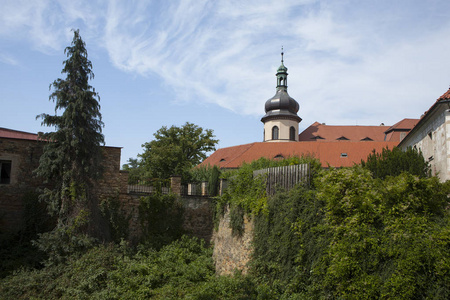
(24, 157)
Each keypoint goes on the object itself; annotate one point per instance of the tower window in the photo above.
(5, 171)
(292, 133)
(275, 132)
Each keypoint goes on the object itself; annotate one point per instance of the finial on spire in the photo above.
(282, 53)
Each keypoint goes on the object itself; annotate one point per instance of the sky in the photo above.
(213, 63)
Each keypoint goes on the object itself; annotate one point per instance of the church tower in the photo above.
(281, 119)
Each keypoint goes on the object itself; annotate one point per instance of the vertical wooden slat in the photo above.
(285, 177)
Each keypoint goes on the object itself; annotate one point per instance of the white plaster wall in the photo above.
(283, 126)
(434, 148)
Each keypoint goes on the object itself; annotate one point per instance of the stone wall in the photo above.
(232, 252)
(24, 157)
(198, 217)
(432, 137)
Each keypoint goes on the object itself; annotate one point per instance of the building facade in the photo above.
(431, 136)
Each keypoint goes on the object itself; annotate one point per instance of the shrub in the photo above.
(394, 162)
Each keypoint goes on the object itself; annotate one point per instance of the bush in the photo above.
(394, 162)
(161, 218)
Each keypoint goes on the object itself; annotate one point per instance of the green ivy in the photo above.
(161, 218)
(116, 218)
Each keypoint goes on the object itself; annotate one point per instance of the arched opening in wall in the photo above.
(275, 132)
(292, 133)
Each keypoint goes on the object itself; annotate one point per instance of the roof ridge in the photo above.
(250, 145)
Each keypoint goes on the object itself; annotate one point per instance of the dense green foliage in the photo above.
(346, 236)
(356, 237)
(72, 154)
(16, 250)
(174, 151)
(161, 218)
(246, 194)
(395, 161)
(250, 193)
(181, 270)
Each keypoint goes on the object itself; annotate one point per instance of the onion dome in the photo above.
(281, 106)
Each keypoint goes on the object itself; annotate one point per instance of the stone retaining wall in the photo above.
(232, 252)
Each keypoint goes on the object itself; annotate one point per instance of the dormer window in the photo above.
(366, 139)
(342, 138)
(317, 138)
(279, 156)
(344, 154)
(223, 159)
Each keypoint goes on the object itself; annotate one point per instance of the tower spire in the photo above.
(282, 74)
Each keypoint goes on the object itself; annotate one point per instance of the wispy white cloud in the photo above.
(8, 59)
(348, 60)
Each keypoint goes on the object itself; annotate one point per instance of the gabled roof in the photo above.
(445, 98)
(15, 134)
(329, 153)
(335, 132)
(446, 95)
(403, 125)
(398, 131)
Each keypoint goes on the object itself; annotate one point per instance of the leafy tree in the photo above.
(395, 161)
(134, 169)
(71, 161)
(176, 150)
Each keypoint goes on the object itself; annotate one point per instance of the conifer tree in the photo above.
(71, 161)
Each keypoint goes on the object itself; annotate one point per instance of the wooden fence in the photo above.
(285, 178)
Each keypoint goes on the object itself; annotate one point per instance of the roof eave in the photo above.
(425, 118)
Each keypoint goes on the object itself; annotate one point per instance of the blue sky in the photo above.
(213, 63)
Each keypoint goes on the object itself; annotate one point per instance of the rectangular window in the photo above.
(344, 155)
(5, 171)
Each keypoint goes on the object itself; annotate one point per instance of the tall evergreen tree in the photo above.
(394, 162)
(71, 161)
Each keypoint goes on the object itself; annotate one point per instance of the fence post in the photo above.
(204, 188)
(175, 184)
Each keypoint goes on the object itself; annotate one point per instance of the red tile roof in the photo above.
(441, 100)
(15, 134)
(398, 131)
(322, 132)
(329, 153)
(446, 95)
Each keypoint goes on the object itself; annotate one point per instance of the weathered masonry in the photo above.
(431, 135)
(19, 156)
